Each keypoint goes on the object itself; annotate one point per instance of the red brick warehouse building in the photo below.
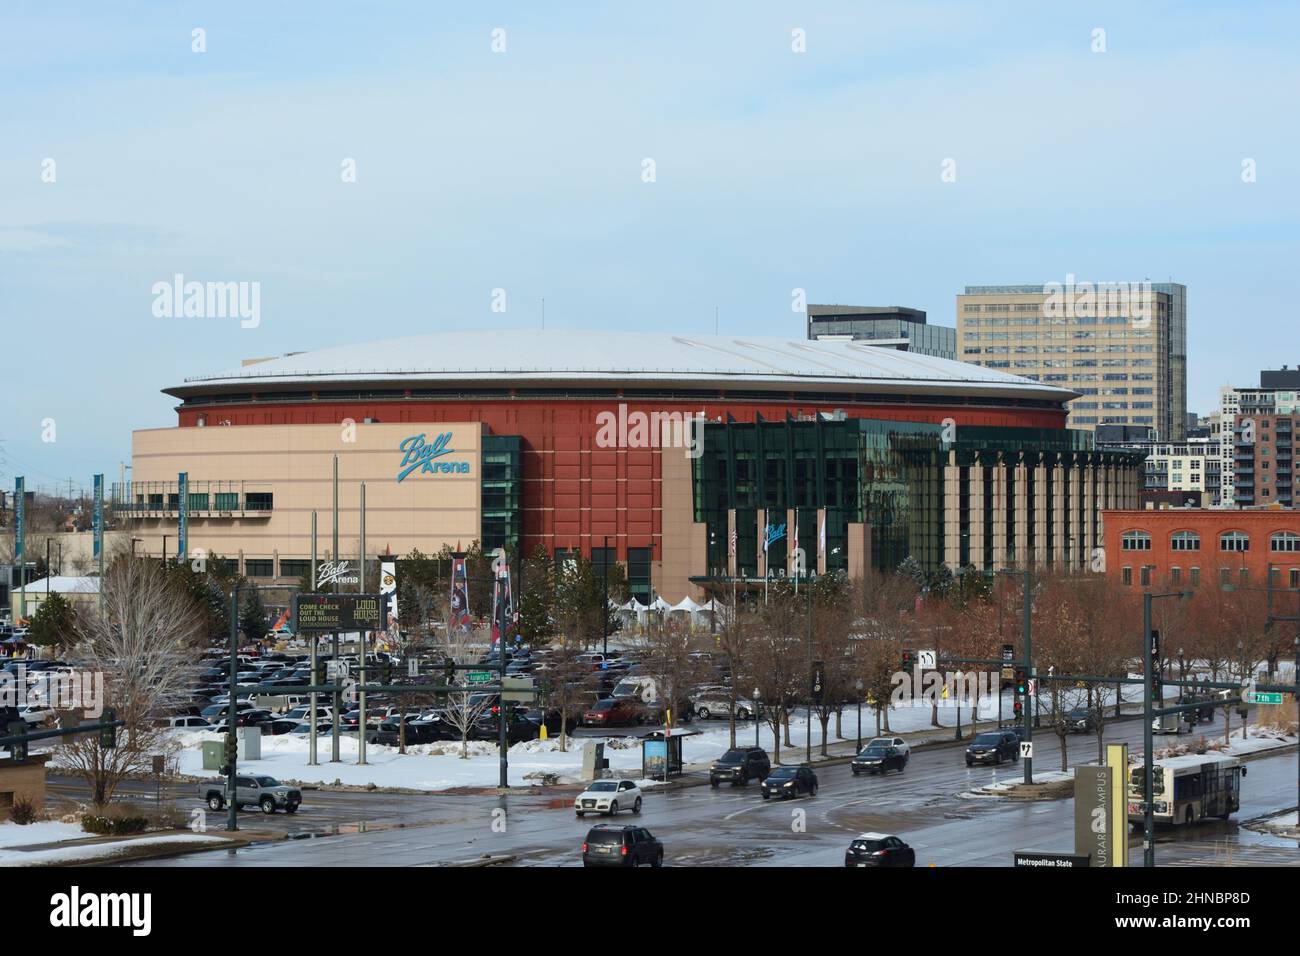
(1188, 547)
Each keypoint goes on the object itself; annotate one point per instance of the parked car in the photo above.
(417, 732)
(789, 782)
(609, 845)
(190, 722)
(879, 849)
(993, 746)
(35, 714)
(739, 766)
(264, 792)
(274, 728)
(608, 796)
(720, 702)
(614, 712)
(879, 757)
(518, 728)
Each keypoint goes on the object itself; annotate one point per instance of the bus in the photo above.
(1187, 789)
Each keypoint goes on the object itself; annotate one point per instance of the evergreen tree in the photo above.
(252, 617)
(54, 623)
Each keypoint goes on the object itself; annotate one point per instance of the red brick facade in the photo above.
(1185, 547)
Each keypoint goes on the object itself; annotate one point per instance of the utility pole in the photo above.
(334, 649)
(361, 589)
(315, 678)
(604, 611)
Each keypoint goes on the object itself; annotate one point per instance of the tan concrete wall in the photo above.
(294, 462)
(684, 543)
(25, 780)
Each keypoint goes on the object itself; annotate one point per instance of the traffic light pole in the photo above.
(232, 742)
(1028, 638)
(1148, 741)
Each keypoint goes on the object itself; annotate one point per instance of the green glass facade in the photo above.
(502, 491)
(901, 479)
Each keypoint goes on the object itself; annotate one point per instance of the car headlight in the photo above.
(790, 784)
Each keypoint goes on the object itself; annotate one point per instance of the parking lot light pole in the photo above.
(757, 696)
(859, 688)
(1148, 737)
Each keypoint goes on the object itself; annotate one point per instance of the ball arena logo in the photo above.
(417, 454)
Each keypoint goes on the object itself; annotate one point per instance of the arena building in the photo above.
(694, 459)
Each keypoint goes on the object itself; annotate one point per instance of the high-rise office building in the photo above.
(1121, 346)
(1255, 427)
(887, 326)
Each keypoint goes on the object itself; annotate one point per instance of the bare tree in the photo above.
(145, 647)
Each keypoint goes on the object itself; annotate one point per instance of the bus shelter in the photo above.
(661, 754)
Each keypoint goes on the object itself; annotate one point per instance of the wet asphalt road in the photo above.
(701, 826)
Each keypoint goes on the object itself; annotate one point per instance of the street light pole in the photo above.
(757, 697)
(604, 611)
(1148, 741)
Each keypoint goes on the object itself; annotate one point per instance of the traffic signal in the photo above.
(108, 735)
(908, 660)
(18, 750)
(1022, 681)
(1018, 709)
(449, 670)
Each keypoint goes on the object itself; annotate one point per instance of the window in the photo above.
(1176, 575)
(1196, 577)
(227, 501)
(1295, 577)
(1146, 576)
(1135, 541)
(1225, 575)
(1127, 576)
(1285, 541)
(258, 568)
(258, 501)
(1234, 541)
(294, 568)
(1185, 541)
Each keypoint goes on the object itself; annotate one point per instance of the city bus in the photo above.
(1187, 789)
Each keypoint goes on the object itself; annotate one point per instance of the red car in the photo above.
(614, 712)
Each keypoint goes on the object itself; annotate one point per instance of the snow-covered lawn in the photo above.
(14, 837)
(1259, 739)
(438, 766)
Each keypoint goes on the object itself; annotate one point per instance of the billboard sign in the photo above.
(337, 612)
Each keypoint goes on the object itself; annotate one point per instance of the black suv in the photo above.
(609, 845)
(879, 849)
(789, 782)
(1081, 720)
(994, 746)
(879, 758)
(739, 766)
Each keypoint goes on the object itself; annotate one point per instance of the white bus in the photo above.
(1187, 789)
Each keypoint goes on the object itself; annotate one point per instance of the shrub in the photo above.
(116, 820)
(23, 811)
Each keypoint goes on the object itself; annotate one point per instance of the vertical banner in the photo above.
(458, 608)
(97, 519)
(183, 518)
(20, 526)
(20, 541)
(388, 591)
(502, 601)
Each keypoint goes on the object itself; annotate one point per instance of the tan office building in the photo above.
(1121, 346)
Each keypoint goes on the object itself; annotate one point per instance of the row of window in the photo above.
(1282, 541)
(1194, 576)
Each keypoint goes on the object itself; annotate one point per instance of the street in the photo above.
(701, 826)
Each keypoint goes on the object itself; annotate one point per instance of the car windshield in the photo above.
(603, 705)
(732, 756)
(782, 772)
(267, 781)
(604, 786)
(875, 750)
(986, 739)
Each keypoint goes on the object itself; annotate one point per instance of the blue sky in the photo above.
(521, 170)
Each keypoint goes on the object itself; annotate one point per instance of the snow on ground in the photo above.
(438, 766)
(13, 837)
(1259, 739)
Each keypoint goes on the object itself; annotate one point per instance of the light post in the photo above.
(604, 611)
(757, 696)
(859, 687)
(1028, 651)
(1148, 738)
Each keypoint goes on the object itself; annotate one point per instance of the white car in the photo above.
(35, 714)
(608, 797)
(898, 743)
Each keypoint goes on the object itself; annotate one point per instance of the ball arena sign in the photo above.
(416, 453)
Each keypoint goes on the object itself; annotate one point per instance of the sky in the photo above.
(380, 169)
